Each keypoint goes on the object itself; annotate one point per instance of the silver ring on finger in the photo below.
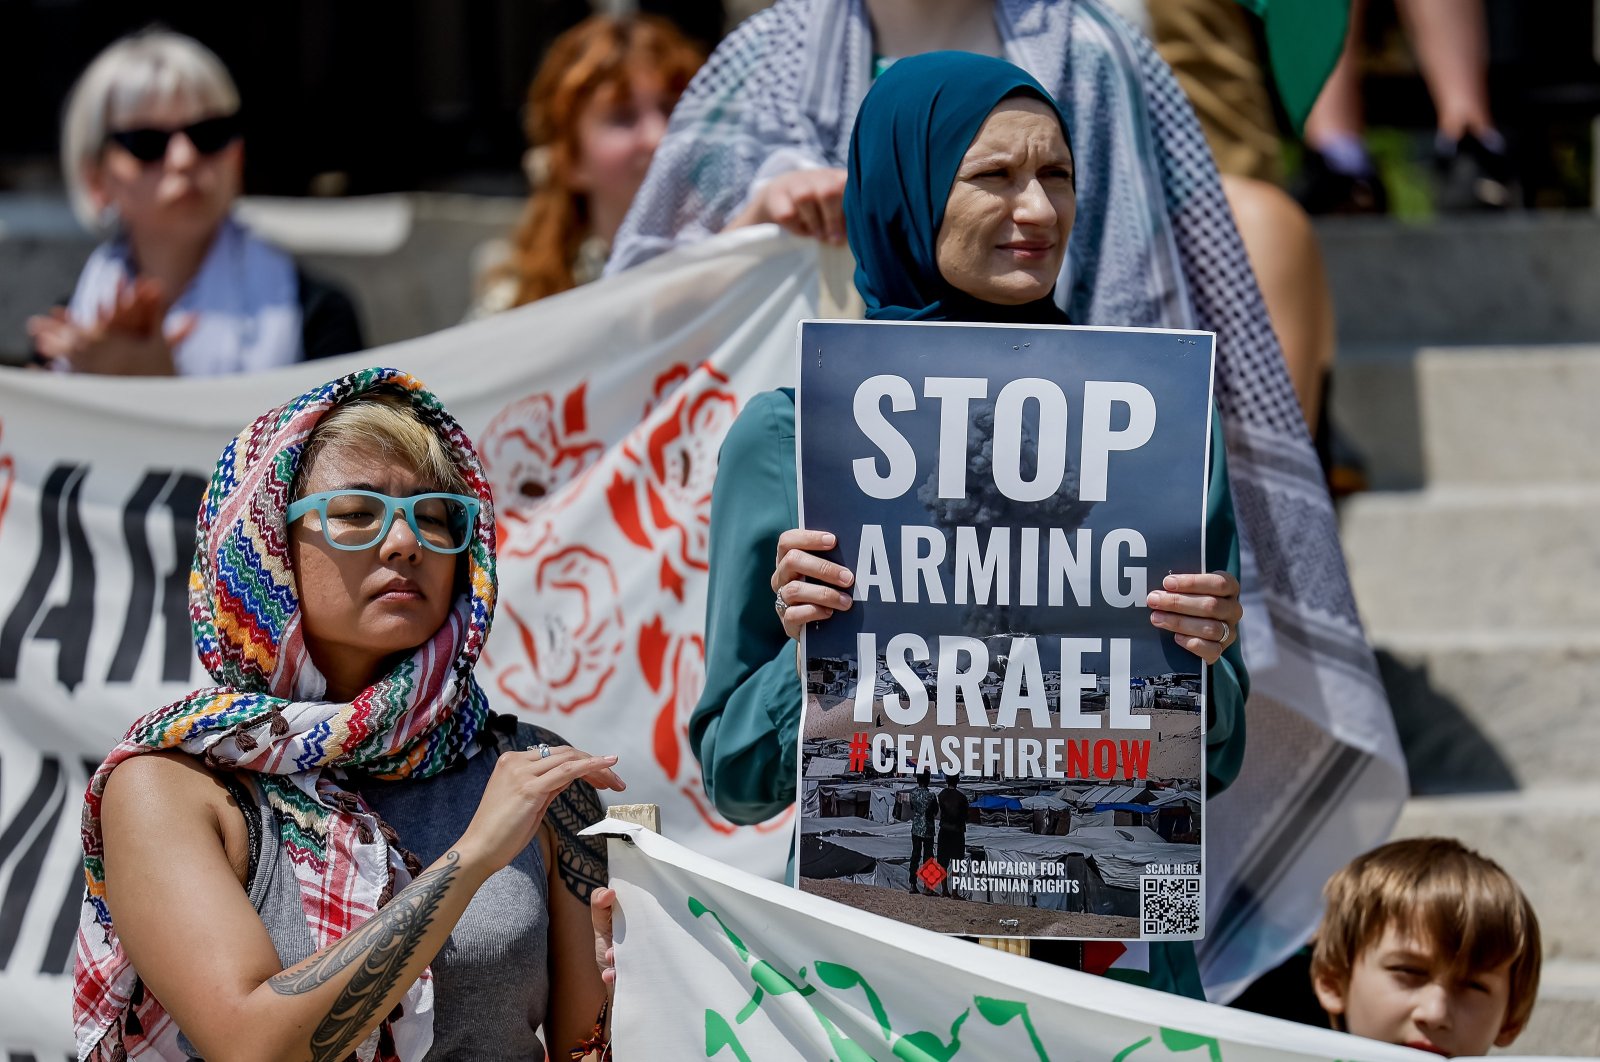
(780, 604)
(544, 750)
(1226, 630)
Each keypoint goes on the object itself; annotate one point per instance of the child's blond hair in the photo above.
(1440, 891)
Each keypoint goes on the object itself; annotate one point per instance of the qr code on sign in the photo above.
(1169, 907)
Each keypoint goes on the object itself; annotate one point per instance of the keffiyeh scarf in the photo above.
(1154, 245)
(265, 716)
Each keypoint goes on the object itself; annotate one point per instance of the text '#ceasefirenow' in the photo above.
(990, 757)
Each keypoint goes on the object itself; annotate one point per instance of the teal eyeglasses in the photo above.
(358, 519)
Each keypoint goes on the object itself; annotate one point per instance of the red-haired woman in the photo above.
(596, 110)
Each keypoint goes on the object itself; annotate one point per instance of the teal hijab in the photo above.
(913, 128)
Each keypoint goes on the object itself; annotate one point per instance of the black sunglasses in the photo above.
(209, 136)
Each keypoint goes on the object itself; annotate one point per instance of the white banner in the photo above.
(716, 963)
(598, 414)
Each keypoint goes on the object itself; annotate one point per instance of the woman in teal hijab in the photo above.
(959, 203)
(909, 141)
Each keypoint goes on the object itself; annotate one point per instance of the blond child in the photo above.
(1428, 944)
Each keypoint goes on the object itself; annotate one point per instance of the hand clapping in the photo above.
(129, 338)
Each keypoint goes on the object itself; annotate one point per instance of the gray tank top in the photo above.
(492, 982)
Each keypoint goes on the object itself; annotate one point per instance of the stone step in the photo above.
(1517, 278)
(1441, 416)
(1545, 838)
(1494, 710)
(1566, 1018)
(1475, 558)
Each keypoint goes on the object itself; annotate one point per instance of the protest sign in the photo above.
(996, 740)
(715, 963)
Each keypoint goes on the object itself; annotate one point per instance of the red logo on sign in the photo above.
(931, 874)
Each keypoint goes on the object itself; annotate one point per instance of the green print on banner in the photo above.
(912, 1047)
(1174, 1040)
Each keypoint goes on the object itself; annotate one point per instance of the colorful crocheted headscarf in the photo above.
(263, 718)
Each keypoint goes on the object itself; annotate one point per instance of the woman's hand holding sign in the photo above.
(1202, 611)
(805, 583)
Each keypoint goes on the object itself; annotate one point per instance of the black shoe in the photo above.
(1346, 469)
(1342, 464)
(1472, 177)
(1321, 189)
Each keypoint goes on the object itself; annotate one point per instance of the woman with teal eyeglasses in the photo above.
(340, 848)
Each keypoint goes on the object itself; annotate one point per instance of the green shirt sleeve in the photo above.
(1230, 682)
(744, 729)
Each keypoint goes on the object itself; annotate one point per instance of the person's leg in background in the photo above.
(1214, 54)
(1287, 261)
(1451, 42)
(1337, 175)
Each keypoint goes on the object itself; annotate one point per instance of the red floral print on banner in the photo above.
(674, 666)
(8, 476)
(536, 451)
(661, 497)
(571, 641)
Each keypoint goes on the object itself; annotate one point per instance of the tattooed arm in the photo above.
(356, 981)
(576, 868)
(175, 859)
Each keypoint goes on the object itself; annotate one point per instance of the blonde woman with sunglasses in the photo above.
(153, 156)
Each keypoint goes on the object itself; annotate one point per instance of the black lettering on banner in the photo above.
(180, 494)
(38, 815)
(142, 576)
(151, 596)
(69, 623)
(61, 949)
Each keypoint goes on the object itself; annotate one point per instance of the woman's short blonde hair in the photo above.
(387, 423)
(150, 65)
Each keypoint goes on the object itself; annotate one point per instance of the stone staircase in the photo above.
(1469, 377)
